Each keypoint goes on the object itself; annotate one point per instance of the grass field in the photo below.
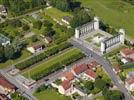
(57, 14)
(50, 94)
(24, 55)
(116, 13)
(41, 67)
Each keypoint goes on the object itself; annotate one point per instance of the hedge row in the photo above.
(57, 65)
(49, 52)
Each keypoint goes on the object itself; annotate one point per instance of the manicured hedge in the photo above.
(49, 52)
(57, 65)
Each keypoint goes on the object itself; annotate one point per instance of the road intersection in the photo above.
(105, 64)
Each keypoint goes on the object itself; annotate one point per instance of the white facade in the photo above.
(130, 87)
(65, 92)
(103, 49)
(5, 43)
(86, 28)
(77, 33)
(110, 42)
(96, 23)
(122, 35)
(33, 50)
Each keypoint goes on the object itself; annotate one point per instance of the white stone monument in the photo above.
(122, 35)
(96, 23)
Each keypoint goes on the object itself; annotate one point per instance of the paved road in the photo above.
(22, 90)
(105, 65)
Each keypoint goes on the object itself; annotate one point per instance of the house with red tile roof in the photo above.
(68, 76)
(5, 86)
(90, 74)
(127, 53)
(35, 48)
(66, 87)
(129, 83)
(3, 97)
(94, 63)
(117, 69)
(78, 69)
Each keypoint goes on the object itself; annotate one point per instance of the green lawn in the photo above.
(50, 94)
(100, 98)
(24, 55)
(89, 39)
(39, 68)
(116, 13)
(57, 14)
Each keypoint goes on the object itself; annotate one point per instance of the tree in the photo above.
(112, 94)
(37, 24)
(34, 38)
(63, 5)
(9, 51)
(99, 83)
(25, 27)
(80, 17)
(48, 31)
(1, 53)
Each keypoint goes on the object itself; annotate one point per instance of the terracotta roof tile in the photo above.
(4, 83)
(69, 75)
(90, 73)
(130, 81)
(80, 68)
(66, 84)
(127, 51)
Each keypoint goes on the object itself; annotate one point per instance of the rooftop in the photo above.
(3, 38)
(66, 84)
(2, 8)
(127, 51)
(69, 75)
(4, 83)
(80, 68)
(130, 81)
(90, 73)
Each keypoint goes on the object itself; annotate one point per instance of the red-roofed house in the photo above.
(5, 86)
(68, 76)
(129, 84)
(3, 97)
(94, 63)
(77, 69)
(35, 48)
(127, 53)
(65, 88)
(90, 74)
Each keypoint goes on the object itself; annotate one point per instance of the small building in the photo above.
(3, 97)
(117, 69)
(130, 74)
(47, 40)
(27, 83)
(66, 19)
(5, 86)
(77, 69)
(90, 74)
(66, 88)
(129, 84)
(4, 41)
(35, 48)
(127, 53)
(3, 10)
(68, 76)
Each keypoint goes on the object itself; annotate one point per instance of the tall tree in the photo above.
(9, 51)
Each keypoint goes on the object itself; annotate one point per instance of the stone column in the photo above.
(103, 47)
(122, 35)
(77, 33)
(96, 23)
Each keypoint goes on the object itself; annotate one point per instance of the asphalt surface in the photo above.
(106, 66)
